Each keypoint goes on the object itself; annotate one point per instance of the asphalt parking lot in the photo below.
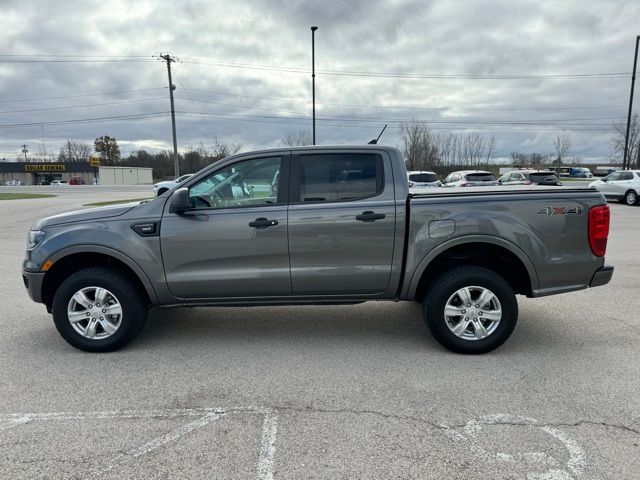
(357, 391)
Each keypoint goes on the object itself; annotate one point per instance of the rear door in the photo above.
(609, 184)
(342, 220)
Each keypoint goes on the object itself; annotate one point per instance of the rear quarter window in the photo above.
(480, 177)
(423, 177)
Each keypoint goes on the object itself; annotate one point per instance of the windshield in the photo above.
(480, 177)
(541, 177)
(423, 177)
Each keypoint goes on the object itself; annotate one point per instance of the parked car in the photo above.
(13, 183)
(423, 179)
(76, 181)
(470, 178)
(59, 183)
(580, 172)
(328, 236)
(623, 185)
(530, 177)
(161, 187)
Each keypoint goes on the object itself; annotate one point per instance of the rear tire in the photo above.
(481, 324)
(631, 198)
(93, 327)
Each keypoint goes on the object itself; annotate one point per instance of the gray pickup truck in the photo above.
(318, 225)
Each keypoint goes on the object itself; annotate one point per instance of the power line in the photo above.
(82, 106)
(82, 95)
(558, 76)
(85, 120)
(409, 107)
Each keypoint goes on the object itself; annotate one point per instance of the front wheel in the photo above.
(99, 309)
(471, 310)
(631, 198)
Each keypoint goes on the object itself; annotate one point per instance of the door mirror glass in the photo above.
(179, 201)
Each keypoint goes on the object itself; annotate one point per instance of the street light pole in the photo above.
(633, 81)
(313, 78)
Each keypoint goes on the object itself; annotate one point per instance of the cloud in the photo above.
(257, 106)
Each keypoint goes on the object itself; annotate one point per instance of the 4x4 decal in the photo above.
(559, 211)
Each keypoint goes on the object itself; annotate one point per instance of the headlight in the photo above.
(35, 236)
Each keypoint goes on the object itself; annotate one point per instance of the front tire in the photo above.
(471, 310)
(99, 309)
(631, 198)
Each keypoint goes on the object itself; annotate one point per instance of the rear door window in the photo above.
(626, 176)
(480, 177)
(540, 177)
(423, 177)
(340, 177)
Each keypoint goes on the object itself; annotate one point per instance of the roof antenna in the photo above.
(375, 140)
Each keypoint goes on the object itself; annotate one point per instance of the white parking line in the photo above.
(204, 416)
(268, 446)
(154, 444)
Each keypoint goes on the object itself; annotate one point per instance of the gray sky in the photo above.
(244, 74)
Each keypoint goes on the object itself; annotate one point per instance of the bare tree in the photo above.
(539, 158)
(74, 151)
(616, 141)
(419, 145)
(491, 146)
(296, 139)
(562, 145)
(221, 149)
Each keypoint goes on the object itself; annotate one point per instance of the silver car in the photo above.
(623, 185)
(470, 178)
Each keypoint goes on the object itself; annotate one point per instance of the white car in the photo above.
(59, 183)
(161, 187)
(470, 178)
(13, 183)
(423, 179)
(623, 185)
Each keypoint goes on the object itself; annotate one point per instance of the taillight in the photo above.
(527, 182)
(599, 229)
(464, 184)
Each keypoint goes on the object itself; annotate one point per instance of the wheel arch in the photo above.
(72, 259)
(481, 250)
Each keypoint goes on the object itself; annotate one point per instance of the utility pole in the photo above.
(170, 59)
(313, 79)
(625, 162)
(25, 150)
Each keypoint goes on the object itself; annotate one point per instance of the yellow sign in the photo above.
(44, 167)
(94, 161)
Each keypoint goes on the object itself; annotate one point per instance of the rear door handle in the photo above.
(263, 223)
(370, 216)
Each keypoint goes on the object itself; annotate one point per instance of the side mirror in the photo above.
(180, 201)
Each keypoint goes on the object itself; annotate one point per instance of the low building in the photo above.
(43, 173)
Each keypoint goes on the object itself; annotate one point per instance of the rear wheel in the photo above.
(99, 309)
(471, 310)
(631, 197)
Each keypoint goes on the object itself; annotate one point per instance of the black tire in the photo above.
(134, 305)
(631, 198)
(449, 283)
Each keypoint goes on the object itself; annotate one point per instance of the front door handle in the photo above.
(370, 216)
(263, 223)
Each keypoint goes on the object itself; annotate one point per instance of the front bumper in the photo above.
(602, 276)
(33, 283)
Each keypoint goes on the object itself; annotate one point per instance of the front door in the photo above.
(341, 224)
(232, 242)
